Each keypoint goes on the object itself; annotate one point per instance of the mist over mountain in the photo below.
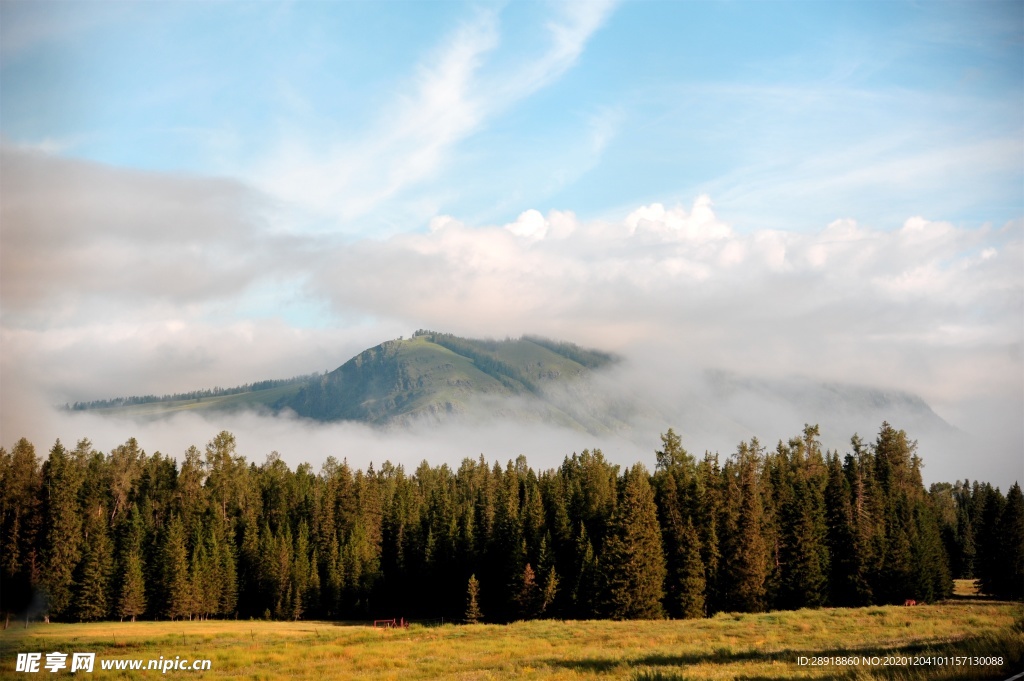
(438, 381)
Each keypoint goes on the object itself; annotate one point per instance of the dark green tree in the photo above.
(20, 524)
(176, 572)
(132, 601)
(745, 555)
(1008, 581)
(632, 563)
(95, 572)
(63, 474)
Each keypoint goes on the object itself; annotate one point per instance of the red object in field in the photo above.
(910, 601)
(392, 623)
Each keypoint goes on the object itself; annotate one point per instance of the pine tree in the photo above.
(1009, 579)
(62, 479)
(846, 578)
(706, 521)
(632, 563)
(685, 580)
(473, 614)
(549, 592)
(989, 504)
(865, 509)
(228, 572)
(176, 569)
(805, 555)
(20, 522)
(584, 593)
(746, 564)
(528, 598)
(133, 589)
(690, 576)
(97, 565)
(132, 601)
(893, 454)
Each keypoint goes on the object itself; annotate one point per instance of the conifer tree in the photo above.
(62, 479)
(690, 576)
(1008, 581)
(632, 562)
(228, 574)
(893, 453)
(989, 504)
(528, 598)
(805, 555)
(132, 602)
(869, 531)
(584, 592)
(176, 569)
(746, 559)
(92, 599)
(706, 521)
(20, 522)
(963, 561)
(846, 578)
(473, 614)
(549, 593)
(685, 580)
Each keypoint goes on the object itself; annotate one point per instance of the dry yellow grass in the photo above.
(761, 646)
(965, 587)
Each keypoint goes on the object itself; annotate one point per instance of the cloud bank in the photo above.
(116, 282)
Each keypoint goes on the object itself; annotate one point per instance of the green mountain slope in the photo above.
(431, 375)
(434, 374)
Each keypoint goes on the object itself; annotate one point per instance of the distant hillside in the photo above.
(431, 375)
(438, 377)
(436, 374)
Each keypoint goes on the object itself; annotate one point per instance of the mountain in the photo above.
(438, 377)
(434, 376)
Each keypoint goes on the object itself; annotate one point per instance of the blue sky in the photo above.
(789, 115)
(197, 194)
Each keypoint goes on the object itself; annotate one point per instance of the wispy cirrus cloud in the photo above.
(453, 93)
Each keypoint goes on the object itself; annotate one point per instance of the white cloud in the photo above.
(847, 302)
(699, 225)
(529, 225)
(115, 282)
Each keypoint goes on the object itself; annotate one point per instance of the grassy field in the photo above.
(761, 646)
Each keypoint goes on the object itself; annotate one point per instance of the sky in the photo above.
(199, 194)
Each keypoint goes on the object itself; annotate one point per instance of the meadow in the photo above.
(727, 646)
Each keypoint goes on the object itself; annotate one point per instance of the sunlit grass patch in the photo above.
(727, 646)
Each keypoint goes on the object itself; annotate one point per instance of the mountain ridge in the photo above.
(429, 375)
(435, 377)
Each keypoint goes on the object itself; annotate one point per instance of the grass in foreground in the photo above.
(728, 646)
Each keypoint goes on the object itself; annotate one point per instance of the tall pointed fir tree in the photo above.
(132, 601)
(20, 521)
(846, 577)
(1008, 581)
(63, 473)
(632, 562)
(989, 503)
(176, 572)
(707, 523)
(746, 556)
(684, 581)
(473, 614)
(805, 554)
(95, 571)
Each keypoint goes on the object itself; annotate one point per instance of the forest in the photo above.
(88, 536)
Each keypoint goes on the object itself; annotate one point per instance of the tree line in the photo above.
(88, 536)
